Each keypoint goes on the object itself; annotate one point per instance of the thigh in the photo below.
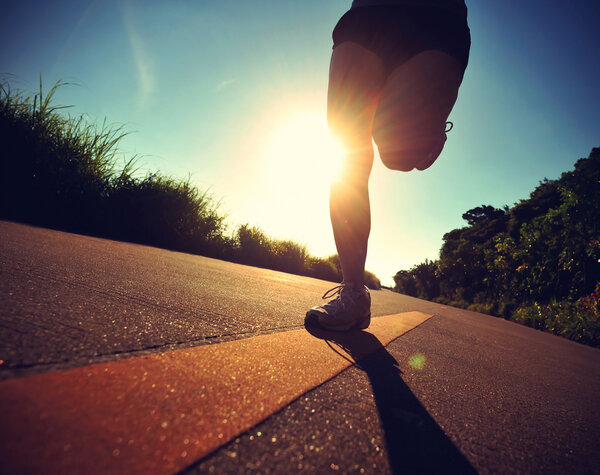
(356, 78)
(413, 107)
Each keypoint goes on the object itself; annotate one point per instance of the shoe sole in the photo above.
(312, 319)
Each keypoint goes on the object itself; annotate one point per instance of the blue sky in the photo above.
(216, 89)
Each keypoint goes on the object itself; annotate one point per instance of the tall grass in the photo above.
(62, 172)
(52, 171)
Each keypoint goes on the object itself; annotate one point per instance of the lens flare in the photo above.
(303, 150)
(417, 361)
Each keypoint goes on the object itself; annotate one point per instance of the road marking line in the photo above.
(159, 413)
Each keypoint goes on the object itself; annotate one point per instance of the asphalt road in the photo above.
(461, 392)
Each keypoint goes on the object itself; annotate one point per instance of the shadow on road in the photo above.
(415, 443)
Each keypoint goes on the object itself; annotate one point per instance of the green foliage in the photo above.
(543, 253)
(420, 281)
(257, 249)
(62, 172)
(483, 214)
(164, 212)
(54, 169)
(405, 283)
(323, 269)
(371, 281)
(578, 321)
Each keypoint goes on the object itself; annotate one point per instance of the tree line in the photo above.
(536, 263)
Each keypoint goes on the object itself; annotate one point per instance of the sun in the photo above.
(302, 151)
(300, 161)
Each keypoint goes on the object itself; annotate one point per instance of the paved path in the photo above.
(460, 392)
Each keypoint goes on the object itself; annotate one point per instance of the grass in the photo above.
(63, 172)
(56, 169)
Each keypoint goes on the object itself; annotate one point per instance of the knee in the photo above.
(356, 168)
(357, 159)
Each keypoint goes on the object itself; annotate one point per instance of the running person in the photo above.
(395, 71)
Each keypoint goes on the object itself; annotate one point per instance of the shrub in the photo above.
(322, 269)
(577, 320)
(62, 172)
(371, 281)
(164, 212)
(55, 170)
(289, 256)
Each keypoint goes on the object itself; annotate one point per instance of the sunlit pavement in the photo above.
(459, 392)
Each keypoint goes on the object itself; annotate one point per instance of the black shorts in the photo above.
(396, 33)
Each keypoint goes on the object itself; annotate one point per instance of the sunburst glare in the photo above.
(301, 160)
(303, 151)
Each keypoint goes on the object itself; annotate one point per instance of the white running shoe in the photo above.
(349, 310)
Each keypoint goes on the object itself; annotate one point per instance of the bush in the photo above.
(164, 212)
(578, 321)
(62, 172)
(55, 170)
(289, 256)
(322, 269)
(541, 255)
(371, 281)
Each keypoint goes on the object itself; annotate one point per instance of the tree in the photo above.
(545, 248)
(405, 283)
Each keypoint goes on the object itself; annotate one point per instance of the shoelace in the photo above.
(335, 290)
(338, 290)
(337, 301)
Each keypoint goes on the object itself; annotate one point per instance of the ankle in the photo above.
(354, 285)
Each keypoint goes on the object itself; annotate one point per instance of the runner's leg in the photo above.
(355, 80)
